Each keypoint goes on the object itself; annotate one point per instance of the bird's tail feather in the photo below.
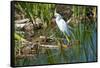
(71, 33)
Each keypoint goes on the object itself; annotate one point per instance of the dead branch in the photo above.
(22, 21)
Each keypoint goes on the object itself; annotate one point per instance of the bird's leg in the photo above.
(66, 37)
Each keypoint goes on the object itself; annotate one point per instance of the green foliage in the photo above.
(30, 10)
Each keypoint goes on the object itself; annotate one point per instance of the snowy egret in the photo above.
(62, 25)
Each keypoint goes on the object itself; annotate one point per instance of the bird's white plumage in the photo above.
(63, 26)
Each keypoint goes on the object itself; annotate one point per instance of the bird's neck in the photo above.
(58, 17)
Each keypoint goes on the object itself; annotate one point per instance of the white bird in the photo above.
(63, 26)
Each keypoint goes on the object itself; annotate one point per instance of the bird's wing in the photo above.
(63, 26)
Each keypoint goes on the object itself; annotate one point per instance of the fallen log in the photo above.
(50, 46)
(19, 25)
(23, 56)
(22, 21)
